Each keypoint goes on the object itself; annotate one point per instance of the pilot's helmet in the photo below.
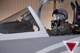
(60, 14)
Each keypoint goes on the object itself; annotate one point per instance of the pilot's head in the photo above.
(60, 14)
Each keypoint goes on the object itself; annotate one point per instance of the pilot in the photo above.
(59, 25)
